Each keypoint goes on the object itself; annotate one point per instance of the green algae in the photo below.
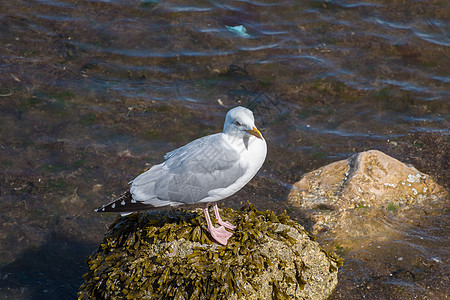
(124, 268)
(392, 207)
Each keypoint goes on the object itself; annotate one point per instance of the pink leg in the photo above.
(220, 221)
(221, 235)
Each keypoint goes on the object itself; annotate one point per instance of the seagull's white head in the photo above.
(240, 122)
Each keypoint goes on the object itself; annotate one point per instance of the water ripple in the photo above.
(189, 9)
(433, 38)
(352, 5)
(344, 133)
(57, 18)
(256, 3)
(413, 87)
(391, 24)
(260, 47)
(56, 3)
(147, 53)
(444, 79)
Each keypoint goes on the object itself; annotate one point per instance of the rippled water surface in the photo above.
(94, 92)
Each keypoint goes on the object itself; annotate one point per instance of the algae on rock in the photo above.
(169, 255)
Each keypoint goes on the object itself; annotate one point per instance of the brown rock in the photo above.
(369, 178)
(348, 194)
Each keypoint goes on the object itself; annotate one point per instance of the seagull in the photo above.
(205, 170)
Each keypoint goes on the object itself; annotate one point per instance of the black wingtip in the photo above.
(101, 209)
(123, 204)
(114, 206)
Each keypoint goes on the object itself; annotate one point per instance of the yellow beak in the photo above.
(255, 132)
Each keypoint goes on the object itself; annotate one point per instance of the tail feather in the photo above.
(124, 204)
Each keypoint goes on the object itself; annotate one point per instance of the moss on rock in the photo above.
(169, 255)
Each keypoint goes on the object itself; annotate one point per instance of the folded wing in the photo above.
(189, 173)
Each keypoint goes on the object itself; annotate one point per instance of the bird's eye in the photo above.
(238, 123)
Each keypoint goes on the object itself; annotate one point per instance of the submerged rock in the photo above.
(169, 255)
(349, 195)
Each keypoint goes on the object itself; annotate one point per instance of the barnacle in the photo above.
(137, 258)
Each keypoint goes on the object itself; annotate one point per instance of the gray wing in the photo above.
(189, 173)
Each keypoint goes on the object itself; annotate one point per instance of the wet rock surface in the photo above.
(169, 254)
(349, 193)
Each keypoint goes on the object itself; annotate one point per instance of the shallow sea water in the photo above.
(94, 92)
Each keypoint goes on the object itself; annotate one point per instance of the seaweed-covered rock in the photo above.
(169, 255)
